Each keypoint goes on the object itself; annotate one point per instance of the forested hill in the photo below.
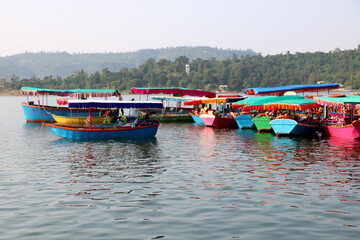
(64, 64)
(238, 73)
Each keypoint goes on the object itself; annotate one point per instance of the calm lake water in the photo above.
(189, 182)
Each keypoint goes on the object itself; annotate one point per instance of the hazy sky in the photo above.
(265, 26)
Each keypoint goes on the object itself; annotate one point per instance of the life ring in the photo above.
(337, 95)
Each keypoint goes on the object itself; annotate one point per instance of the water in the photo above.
(189, 182)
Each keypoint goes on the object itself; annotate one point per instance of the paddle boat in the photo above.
(342, 128)
(136, 129)
(42, 112)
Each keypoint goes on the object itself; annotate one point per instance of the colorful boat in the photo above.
(286, 125)
(262, 120)
(292, 127)
(136, 129)
(196, 118)
(42, 112)
(262, 123)
(245, 120)
(221, 121)
(176, 113)
(342, 128)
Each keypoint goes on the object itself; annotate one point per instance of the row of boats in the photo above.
(276, 109)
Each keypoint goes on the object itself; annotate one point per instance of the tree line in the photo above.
(238, 73)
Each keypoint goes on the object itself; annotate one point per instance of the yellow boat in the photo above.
(81, 119)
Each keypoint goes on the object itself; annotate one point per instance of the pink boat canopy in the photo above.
(75, 93)
(174, 91)
(351, 102)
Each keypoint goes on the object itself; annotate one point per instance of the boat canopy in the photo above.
(75, 93)
(213, 100)
(113, 104)
(351, 102)
(175, 99)
(257, 103)
(279, 91)
(292, 104)
(174, 90)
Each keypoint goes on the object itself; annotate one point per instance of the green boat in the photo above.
(262, 123)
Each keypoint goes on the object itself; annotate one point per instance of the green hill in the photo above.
(63, 64)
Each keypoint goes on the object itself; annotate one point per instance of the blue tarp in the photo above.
(296, 88)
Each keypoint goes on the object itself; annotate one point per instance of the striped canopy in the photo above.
(292, 104)
(257, 103)
(174, 90)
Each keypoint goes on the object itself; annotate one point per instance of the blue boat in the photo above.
(291, 127)
(286, 125)
(138, 129)
(244, 121)
(197, 119)
(42, 112)
(143, 129)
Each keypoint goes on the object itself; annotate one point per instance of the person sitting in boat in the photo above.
(309, 119)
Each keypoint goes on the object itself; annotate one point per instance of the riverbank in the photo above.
(8, 92)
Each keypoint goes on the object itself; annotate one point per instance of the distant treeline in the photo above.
(237, 73)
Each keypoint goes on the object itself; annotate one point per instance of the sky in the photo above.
(268, 27)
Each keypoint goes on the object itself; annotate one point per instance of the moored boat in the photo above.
(137, 129)
(114, 131)
(245, 120)
(293, 124)
(177, 113)
(342, 128)
(218, 121)
(196, 117)
(42, 112)
(262, 123)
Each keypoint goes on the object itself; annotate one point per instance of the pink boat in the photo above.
(211, 120)
(336, 129)
(342, 128)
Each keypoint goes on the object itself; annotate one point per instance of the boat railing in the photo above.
(330, 122)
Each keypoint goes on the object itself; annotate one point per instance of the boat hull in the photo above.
(197, 119)
(36, 113)
(102, 132)
(291, 127)
(244, 121)
(218, 122)
(351, 131)
(79, 120)
(262, 123)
